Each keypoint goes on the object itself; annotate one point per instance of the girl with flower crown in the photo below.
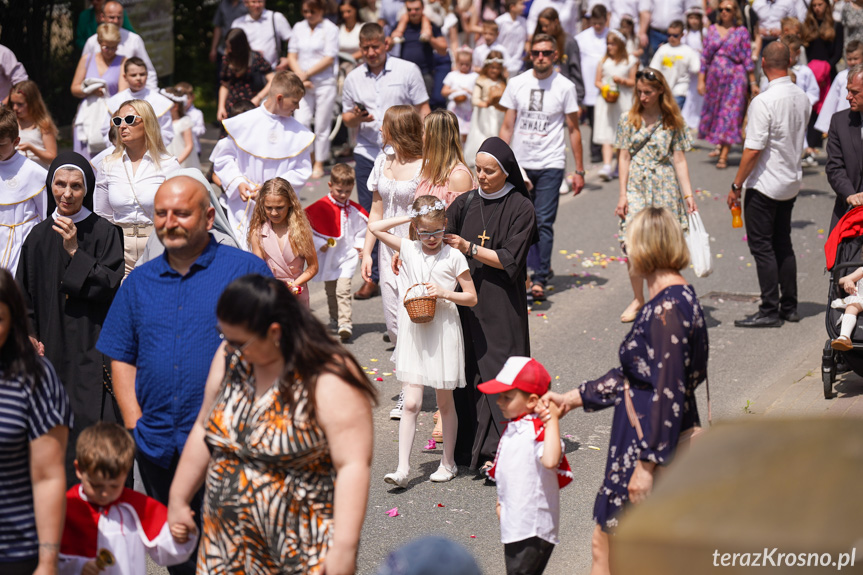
(428, 354)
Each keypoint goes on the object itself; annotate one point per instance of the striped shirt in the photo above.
(26, 414)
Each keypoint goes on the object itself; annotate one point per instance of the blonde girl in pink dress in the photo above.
(444, 173)
(280, 234)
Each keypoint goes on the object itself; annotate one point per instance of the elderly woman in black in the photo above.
(663, 359)
(493, 226)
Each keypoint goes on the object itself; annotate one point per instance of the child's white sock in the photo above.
(849, 322)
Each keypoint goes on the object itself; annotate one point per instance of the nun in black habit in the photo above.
(493, 226)
(70, 268)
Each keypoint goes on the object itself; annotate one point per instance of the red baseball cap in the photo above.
(518, 372)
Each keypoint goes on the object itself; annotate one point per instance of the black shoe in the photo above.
(791, 316)
(759, 320)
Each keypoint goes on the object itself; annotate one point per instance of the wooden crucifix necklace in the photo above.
(483, 235)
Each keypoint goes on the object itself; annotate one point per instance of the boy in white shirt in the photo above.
(512, 27)
(677, 62)
(490, 33)
(529, 468)
(837, 97)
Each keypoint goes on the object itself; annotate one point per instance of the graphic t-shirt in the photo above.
(538, 138)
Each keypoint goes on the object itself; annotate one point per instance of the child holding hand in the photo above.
(428, 354)
(529, 468)
(108, 524)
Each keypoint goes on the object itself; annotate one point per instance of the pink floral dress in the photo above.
(726, 63)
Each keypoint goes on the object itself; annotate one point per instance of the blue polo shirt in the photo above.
(165, 325)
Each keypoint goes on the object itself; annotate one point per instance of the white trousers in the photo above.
(318, 104)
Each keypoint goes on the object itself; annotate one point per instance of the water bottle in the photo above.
(736, 220)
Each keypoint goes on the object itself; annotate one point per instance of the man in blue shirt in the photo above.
(427, 53)
(161, 332)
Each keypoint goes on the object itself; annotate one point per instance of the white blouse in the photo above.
(311, 46)
(126, 197)
(349, 41)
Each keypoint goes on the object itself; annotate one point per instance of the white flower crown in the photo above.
(426, 210)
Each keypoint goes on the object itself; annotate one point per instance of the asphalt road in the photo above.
(576, 334)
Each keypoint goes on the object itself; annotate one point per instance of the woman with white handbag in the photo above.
(652, 139)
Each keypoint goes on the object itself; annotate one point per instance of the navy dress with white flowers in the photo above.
(664, 357)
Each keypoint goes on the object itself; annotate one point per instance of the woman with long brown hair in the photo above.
(245, 74)
(280, 234)
(569, 62)
(393, 182)
(35, 126)
(444, 173)
(652, 138)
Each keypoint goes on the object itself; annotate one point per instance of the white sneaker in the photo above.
(444, 474)
(606, 173)
(399, 479)
(810, 161)
(345, 332)
(396, 412)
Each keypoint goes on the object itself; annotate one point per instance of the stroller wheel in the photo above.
(828, 370)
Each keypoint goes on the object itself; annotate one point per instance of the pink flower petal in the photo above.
(394, 512)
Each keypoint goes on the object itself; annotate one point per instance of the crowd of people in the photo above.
(243, 414)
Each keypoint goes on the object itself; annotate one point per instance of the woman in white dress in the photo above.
(616, 72)
(393, 183)
(35, 126)
(694, 38)
(183, 145)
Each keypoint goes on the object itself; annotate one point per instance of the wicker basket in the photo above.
(420, 309)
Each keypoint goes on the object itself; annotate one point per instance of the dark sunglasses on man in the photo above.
(130, 120)
(543, 53)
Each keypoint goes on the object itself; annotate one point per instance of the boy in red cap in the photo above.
(529, 468)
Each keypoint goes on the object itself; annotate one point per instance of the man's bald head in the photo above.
(183, 216)
(776, 56)
(112, 13)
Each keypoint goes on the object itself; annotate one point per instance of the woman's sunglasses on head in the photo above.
(646, 73)
(129, 120)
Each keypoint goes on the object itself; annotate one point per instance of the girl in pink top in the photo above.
(444, 174)
(280, 234)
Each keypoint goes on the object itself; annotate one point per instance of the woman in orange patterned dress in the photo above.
(287, 416)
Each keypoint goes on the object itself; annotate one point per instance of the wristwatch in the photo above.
(735, 187)
(473, 249)
(579, 173)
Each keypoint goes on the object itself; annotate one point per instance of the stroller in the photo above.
(842, 252)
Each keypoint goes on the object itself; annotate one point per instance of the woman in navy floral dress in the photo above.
(726, 63)
(663, 358)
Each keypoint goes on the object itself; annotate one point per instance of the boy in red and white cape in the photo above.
(339, 230)
(109, 528)
(529, 468)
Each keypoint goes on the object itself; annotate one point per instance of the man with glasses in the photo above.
(268, 32)
(541, 104)
(161, 333)
(136, 74)
(677, 62)
(369, 91)
(131, 44)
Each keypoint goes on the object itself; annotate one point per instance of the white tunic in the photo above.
(23, 205)
(259, 146)
(160, 104)
(340, 261)
(835, 101)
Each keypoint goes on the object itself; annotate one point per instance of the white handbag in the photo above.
(698, 242)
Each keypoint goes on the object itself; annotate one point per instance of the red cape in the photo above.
(850, 226)
(564, 472)
(325, 216)
(81, 531)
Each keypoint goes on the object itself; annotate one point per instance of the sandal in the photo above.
(714, 152)
(537, 291)
(722, 163)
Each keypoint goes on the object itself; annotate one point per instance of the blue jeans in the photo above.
(546, 196)
(363, 167)
(680, 101)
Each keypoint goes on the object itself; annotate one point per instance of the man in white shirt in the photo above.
(541, 105)
(837, 97)
(677, 62)
(135, 72)
(770, 14)
(592, 48)
(512, 28)
(268, 32)
(369, 91)
(567, 11)
(654, 18)
(131, 44)
(772, 172)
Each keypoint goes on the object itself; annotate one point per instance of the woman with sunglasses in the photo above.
(282, 443)
(131, 175)
(652, 138)
(105, 66)
(726, 64)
